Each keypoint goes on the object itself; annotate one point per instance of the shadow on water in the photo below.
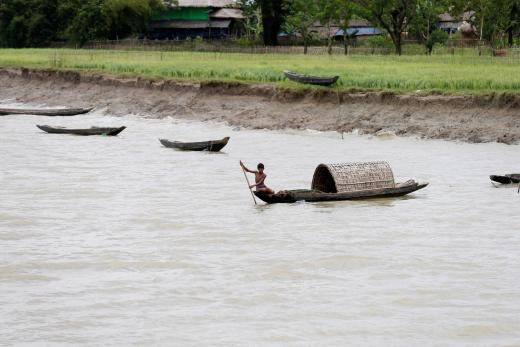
(324, 206)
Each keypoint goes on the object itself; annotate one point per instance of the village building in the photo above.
(357, 28)
(452, 25)
(208, 19)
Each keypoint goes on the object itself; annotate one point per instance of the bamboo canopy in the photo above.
(352, 177)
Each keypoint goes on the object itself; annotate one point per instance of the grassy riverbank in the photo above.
(439, 73)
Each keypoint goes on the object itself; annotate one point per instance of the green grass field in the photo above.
(439, 73)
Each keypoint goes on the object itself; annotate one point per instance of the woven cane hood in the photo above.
(352, 177)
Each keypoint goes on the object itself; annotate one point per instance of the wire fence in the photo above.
(453, 47)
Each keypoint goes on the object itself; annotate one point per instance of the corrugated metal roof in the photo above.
(228, 13)
(192, 24)
(207, 3)
(360, 32)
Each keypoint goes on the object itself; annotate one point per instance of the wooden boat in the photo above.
(307, 79)
(350, 181)
(506, 179)
(210, 146)
(82, 132)
(45, 112)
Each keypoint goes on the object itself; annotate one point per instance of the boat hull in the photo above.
(210, 146)
(506, 179)
(315, 80)
(45, 112)
(82, 132)
(292, 196)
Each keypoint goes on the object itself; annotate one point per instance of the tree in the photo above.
(423, 24)
(272, 20)
(327, 14)
(514, 22)
(436, 36)
(302, 15)
(494, 19)
(125, 17)
(252, 18)
(391, 15)
(28, 22)
(89, 23)
(343, 15)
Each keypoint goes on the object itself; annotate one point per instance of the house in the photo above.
(209, 19)
(451, 24)
(356, 27)
(359, 28)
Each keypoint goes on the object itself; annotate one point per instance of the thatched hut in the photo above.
(352, 177)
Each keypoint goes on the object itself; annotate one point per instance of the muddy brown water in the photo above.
(122, 241)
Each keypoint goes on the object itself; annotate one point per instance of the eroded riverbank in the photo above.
(468, 118)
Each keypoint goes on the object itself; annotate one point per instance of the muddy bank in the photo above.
(468, 118)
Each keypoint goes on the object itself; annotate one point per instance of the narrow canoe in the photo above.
(506, 179)
(45, 112)
(307, 79)
(290, 196)
(210, 146)
(82, 132)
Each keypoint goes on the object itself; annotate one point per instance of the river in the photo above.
(120, 241)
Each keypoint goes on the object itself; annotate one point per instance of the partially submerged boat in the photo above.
(308, 79)
(210, 146)
(506, 179)
(50, 112)
(348, 181)
(82, 132)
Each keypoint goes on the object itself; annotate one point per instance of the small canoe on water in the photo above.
(210, 146)
(506, 179)
(45, 112)
(309, 195)
(307, 79)
(82, 132)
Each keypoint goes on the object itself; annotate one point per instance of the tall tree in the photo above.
(252, 18)
(272, 20)
(28, 22)
(302, 14)
(343, 14)
(494, 19)
(423, 24)
(391, 15)
(327, 14)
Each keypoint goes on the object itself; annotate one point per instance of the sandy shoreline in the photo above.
(467, 118)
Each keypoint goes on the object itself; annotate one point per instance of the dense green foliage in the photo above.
(444, 73)
(492, 20)
(38, 22)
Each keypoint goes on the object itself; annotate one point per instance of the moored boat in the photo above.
(506, 179)
(308, 79)
(82, 132)
(50, 112)
(210, 146)
(349, 181)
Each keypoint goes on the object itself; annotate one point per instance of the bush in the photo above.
(380, 41)
(437, 37)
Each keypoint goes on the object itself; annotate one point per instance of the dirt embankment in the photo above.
(468, 118)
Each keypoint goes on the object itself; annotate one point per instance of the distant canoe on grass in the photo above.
(50, 112)
(506, 179)
(210, 146)
(308, 79)
(82, 132)
(350, 181)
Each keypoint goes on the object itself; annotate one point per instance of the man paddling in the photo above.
(260, 177)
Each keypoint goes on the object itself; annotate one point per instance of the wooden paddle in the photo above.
(248, 185)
